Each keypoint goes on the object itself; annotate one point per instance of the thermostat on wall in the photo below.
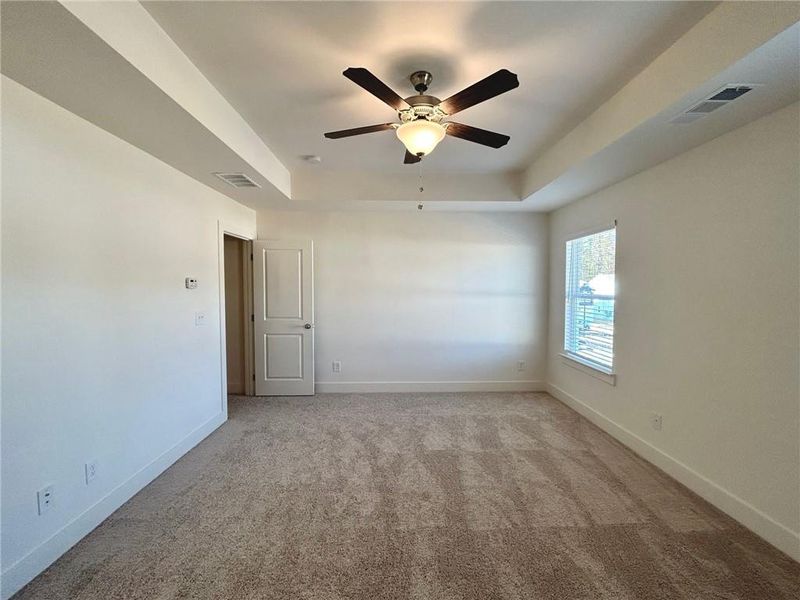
(191, 283)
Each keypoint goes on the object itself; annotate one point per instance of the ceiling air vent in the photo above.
(714, 102)
(237, 180)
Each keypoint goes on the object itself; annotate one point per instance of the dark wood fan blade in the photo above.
(410, 159)
(479, 136)
(368, 81)
(335, 135)
(494, 85)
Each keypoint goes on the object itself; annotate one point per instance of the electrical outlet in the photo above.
(656, 421)
(336, 367)
(44, 499)
(199, 319)
(520, 365)
(90, 469)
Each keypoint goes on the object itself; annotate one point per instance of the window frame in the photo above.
(575, 360)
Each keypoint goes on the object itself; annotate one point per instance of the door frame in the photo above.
(249, 338)
(249, 360)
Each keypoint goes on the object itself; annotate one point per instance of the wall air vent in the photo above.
(237, 180)
(715, 101)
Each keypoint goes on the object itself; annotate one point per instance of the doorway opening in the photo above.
(238, 311)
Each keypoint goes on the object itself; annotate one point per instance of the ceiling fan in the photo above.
(423, 118)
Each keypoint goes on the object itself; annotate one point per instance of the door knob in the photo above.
(307, 325)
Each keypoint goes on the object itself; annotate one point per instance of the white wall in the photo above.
(707, 320)
(424, 300)
(101, 359)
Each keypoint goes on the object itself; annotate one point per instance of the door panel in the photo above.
(284, 356)
(284, 317)
(284, 295)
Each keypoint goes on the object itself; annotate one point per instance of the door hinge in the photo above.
(254, 376)
(251, 256)
(253, 318)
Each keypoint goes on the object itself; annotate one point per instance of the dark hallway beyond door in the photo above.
(235, 313)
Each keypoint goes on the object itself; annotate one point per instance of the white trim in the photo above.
(42, 556)
(745, 513)
(368, 387)
(249, 350)
(223, 350)
(586, 366)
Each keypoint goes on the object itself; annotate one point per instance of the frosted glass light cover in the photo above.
(420, 137)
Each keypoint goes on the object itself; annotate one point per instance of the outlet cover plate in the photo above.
(44, 498)
(656, 421)
(90, 470)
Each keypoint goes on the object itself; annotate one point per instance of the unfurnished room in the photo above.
(321, 300)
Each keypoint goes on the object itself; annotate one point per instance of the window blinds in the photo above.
(589, 309)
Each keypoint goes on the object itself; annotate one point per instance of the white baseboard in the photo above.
(374, 387)
(43, 555)
(745, 513)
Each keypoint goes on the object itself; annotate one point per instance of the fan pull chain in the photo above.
(421, 187)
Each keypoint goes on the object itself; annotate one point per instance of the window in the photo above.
(589, 311)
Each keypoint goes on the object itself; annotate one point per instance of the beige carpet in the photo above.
(430, 496)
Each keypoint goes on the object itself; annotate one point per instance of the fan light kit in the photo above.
(422, 117)
(420, 137)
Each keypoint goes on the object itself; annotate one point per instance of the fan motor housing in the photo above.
(422, 107)
(422, 100)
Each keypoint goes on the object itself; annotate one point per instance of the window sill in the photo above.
(586, 367)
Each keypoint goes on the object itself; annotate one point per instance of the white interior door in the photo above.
(283, 304)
